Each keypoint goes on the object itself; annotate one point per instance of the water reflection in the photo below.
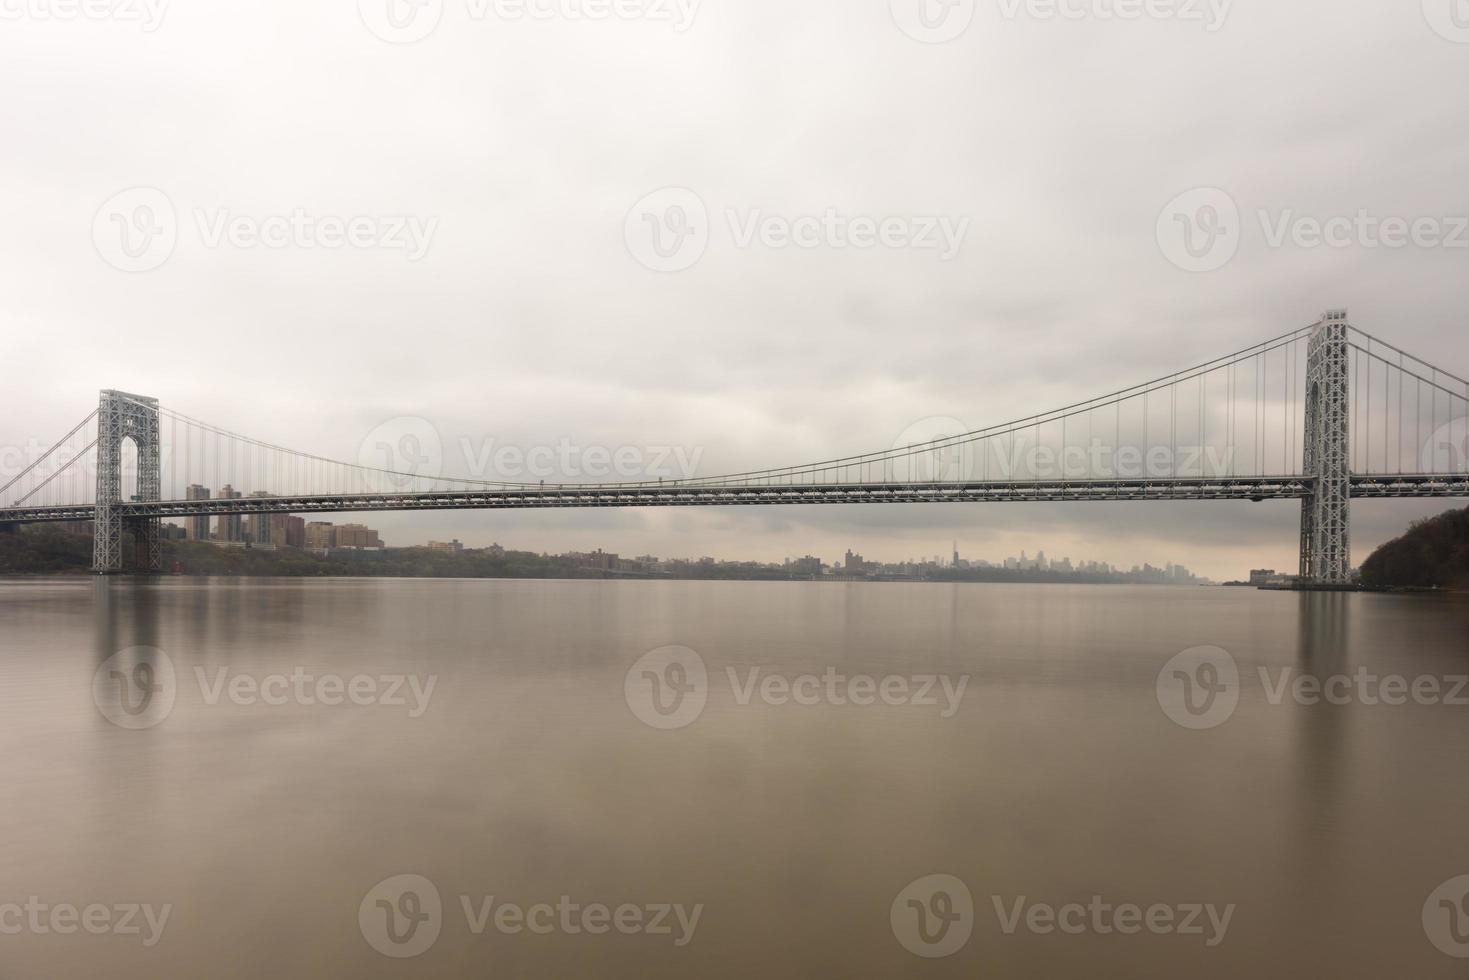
(796, 826)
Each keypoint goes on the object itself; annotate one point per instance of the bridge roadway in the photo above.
(674, 494)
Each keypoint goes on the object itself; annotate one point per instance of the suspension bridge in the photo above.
(1323, 414)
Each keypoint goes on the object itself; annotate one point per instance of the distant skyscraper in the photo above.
(197, 527)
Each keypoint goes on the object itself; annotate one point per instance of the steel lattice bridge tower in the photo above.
(1326, 518)
(1323, 414)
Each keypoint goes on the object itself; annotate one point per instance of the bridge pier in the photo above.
(1326, 529)
(122, 417)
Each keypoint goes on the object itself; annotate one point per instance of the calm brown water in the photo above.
(548, 764)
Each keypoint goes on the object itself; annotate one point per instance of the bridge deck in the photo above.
(709, 495)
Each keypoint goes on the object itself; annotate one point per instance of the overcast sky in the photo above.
(505, 285)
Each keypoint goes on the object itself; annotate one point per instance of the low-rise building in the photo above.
(358, 536)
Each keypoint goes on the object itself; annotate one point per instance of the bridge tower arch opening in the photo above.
(1326, 530)
(128, 466)
(118, 536)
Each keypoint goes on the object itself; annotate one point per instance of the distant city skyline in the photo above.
(320, 535)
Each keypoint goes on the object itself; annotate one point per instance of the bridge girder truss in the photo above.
(1283, 488)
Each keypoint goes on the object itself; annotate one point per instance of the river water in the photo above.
(287, 778)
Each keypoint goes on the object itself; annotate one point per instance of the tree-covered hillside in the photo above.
(1433, 554)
